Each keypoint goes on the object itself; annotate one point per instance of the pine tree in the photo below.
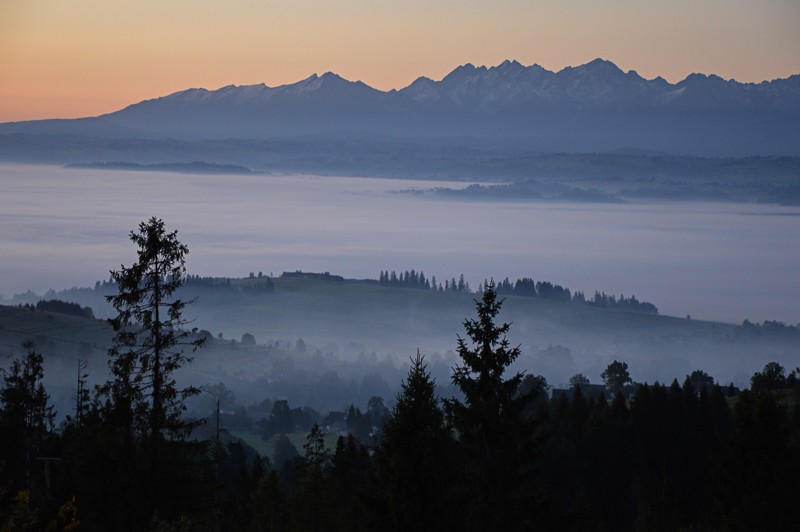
(414, 455)
(149, 342)
(489, 421)
(310, 504)
(26, 417)
(351, 486)
(143, 405)
(490, 399)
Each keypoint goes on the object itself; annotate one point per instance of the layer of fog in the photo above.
(726, 262)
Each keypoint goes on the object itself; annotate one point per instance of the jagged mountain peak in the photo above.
(601, 64)
(334, 80)
(313, 78)
(596, 67)
(509, 65)
(505, 100)
(422, 89)
(467, 70)
(334, 77)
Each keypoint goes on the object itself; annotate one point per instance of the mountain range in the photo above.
(592, 107)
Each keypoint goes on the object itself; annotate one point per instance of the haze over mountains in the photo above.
(592, 107)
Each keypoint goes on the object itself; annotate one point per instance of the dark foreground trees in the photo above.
(129, 458)
(26, 419)
(500, 456)
(415, 457)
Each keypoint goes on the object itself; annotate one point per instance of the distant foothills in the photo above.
(595, 107)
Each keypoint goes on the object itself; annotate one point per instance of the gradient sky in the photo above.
(70, 58)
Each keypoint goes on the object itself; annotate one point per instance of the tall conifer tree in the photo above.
(149, 341)
(414, 456)
(143, 402)
(489, 422)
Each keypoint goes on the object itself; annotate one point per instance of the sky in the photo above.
(73, 58)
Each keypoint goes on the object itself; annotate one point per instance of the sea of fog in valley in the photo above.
(718, 261)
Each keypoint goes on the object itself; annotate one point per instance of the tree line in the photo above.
(414, 279)
(500, 455)
(525, 287)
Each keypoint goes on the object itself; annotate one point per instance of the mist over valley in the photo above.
(721, 263)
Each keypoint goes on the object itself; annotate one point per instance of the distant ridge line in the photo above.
(588, 108)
